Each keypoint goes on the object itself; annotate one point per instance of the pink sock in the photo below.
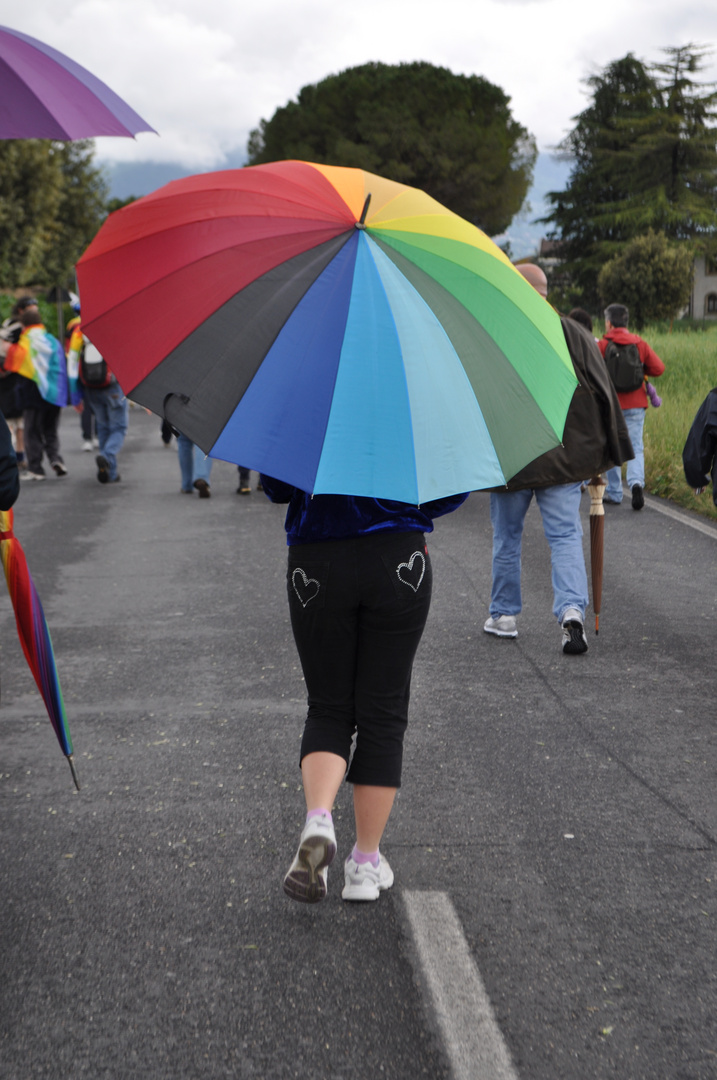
(362, 857)
(319, 811)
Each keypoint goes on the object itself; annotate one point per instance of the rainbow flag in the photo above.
(39, 356)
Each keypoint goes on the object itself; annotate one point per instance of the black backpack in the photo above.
(93, 367)
(624, 366)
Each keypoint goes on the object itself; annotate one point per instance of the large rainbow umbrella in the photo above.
(339, 331)
(46, 95)
(34, 634)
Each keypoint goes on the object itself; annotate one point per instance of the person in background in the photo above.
(10, 332)
(699, 457)
(9, 475)
(245, 481)
(104, 399)
(359, 586)
(580, 315)
(633, 404)
(594, 437)
(88, 425)
(195, 468)
(43, 390)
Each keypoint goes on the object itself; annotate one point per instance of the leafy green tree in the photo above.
(30, 193)
(52, 202)
(644, 157)
(453, 136)
(117, 203)
(652, 277)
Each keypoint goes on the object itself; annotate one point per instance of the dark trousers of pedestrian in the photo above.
(86, 418)
(41, 435)
(358, 609)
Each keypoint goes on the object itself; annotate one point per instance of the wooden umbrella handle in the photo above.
(596, 489)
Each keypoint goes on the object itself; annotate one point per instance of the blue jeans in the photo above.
(560, 510)
(193, 465)
(635, 421)
(111, 410)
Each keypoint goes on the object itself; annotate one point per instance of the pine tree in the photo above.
(644, 157)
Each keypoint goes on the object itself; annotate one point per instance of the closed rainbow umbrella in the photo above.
(342, 332)
(34, 634)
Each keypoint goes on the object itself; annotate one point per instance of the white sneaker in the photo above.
(503, 626)
(307, 875)
(364, 881)
(87, 446)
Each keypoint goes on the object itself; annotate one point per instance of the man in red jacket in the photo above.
(633, 404)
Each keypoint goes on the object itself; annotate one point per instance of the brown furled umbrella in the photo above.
(596, 488)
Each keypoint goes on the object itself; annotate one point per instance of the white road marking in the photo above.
(662, 507)
(703, 527)
(471, 1036)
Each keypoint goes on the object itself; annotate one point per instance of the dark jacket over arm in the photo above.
(9, 479)
(698, 456)
(595, 436)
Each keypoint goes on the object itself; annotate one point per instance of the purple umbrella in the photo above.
(45, 95)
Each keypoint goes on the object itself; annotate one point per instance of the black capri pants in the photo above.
(358, 610)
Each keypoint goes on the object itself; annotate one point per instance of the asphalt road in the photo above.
(560, 811)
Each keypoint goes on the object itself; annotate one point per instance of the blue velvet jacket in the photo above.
(339, 517)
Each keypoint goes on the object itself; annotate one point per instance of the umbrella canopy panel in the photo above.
(403, 356)
(34, 633)
(46, 95)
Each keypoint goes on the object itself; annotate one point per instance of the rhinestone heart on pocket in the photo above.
(406, 573)
(306, 588)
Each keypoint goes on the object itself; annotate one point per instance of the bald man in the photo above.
(535, 277)
(595, 438)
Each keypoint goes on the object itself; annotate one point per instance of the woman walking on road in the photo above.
(359, 586)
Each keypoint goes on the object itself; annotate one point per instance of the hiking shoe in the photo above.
(364, 881)
(203, 488)
(638, 499)
(60, 468)
(502, 626)
(574, 640)
(306, 879)
(103, 469)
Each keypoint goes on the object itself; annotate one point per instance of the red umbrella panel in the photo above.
(34, 634)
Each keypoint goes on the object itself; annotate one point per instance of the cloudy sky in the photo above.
(204, 72)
